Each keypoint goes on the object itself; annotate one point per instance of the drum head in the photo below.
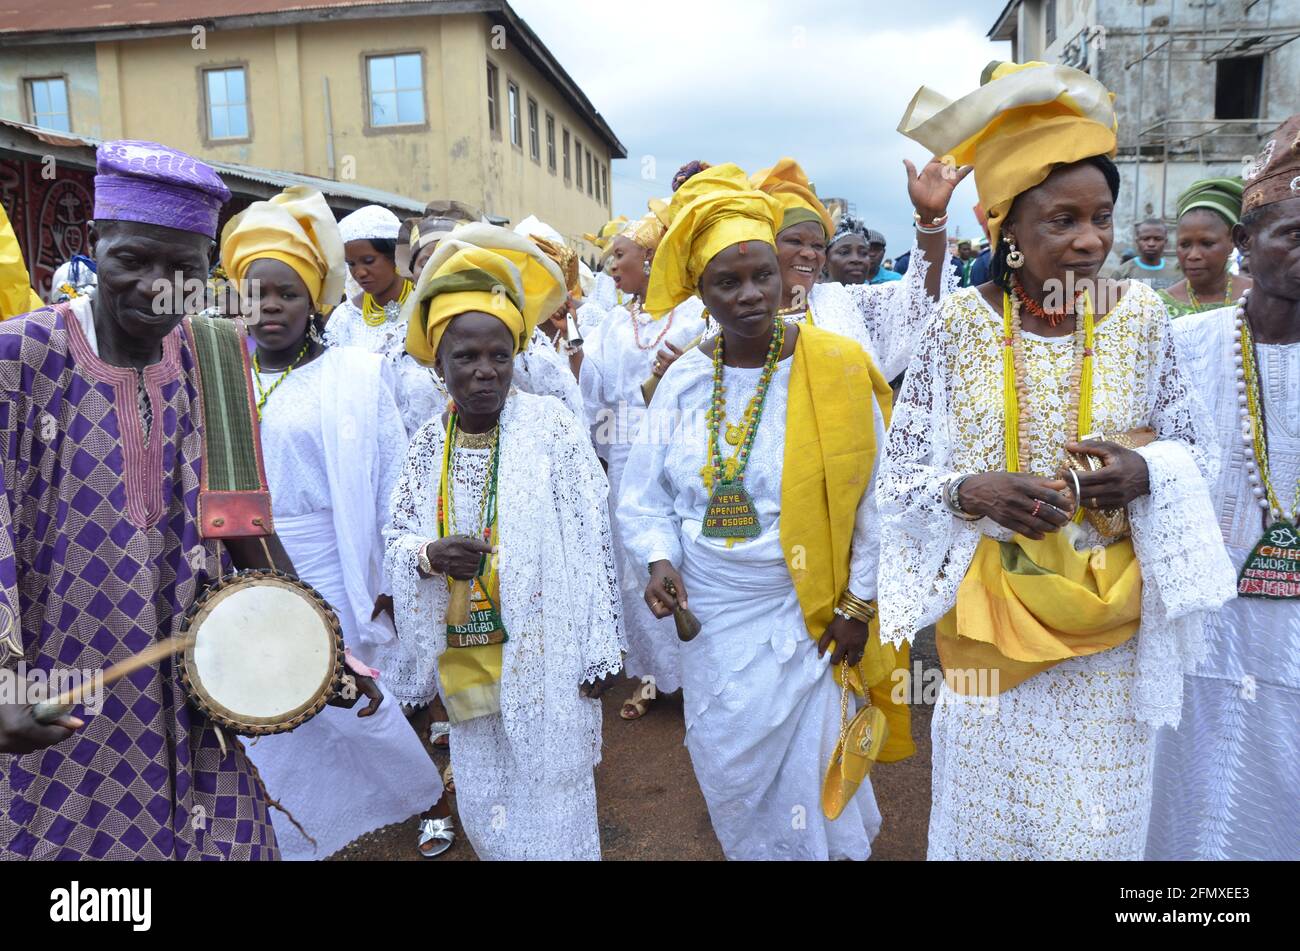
(265, 656)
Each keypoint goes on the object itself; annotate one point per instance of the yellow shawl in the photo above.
(16, 294)
(830, 453)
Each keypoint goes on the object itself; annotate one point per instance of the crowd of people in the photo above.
(520, 484)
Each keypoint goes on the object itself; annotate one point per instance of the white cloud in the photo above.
(750, 82)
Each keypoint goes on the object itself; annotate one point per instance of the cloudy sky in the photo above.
(749, 81)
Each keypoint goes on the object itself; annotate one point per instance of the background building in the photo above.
(1199, 83)
(429, 99)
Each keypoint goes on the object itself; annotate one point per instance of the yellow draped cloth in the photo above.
(16, 294)
(830, 452)
(1025, 606)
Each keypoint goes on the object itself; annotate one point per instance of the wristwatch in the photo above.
(425, 565)
(952, 499)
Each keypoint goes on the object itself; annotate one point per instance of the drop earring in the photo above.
(313, 329)
(1015, 259)
(646, 267)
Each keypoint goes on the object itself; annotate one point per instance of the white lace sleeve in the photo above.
(647, 517)
(924, 549)
(895, 312)
(420, 395)
(419, 603)
(584, 497)
(540, 370)
(864, 559)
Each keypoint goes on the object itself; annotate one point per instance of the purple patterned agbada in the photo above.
(100, 556)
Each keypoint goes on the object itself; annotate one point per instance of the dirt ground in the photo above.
(651, 808)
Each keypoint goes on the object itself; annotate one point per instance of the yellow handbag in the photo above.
(855, 753)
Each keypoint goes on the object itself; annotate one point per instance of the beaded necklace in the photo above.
(1017, 410)
(374, 315)
(1196, 304)
(1022, 297)
(806, 313)
(731, 513)
(1254, 432)
(1272, 570)
(264, 394)
(634, 311)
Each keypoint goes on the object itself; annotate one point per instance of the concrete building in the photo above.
(420, 98)
(1198, 83)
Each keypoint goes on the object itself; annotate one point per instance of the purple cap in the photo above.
(148, 182)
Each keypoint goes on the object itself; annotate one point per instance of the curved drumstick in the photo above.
(51, 710)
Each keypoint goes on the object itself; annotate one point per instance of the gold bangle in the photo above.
(856, 608)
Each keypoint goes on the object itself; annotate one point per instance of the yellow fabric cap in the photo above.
(711, 211)
(830, 452)
(1026, 120)
(16, 294)
(297, 228)
(787, 183)
(483, 268)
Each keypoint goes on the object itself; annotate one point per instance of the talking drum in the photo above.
(267, 653)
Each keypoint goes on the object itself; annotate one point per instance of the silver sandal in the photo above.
(436, 830)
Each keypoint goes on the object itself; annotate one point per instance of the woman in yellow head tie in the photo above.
(884, 319)
(748, 499)
(1063, 641)
(333, 444)
(500, 557)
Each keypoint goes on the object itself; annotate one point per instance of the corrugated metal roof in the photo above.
(355, 195)
(39, 16)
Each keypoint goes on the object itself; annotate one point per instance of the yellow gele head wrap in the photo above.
(565, 258)
(486, 269)
(786, 182)
(297, 228)
(648, 230)
(607, 232)
(1023, 122)
(711, 211)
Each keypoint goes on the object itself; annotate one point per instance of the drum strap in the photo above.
(234, 498)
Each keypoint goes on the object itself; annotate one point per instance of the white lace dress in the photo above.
(331, 473)
(619, 356)
(420, 393)
(886, 320)
(1060, 766)
(543, 371)
(1227, 779)
(524, 777)
(762, 709)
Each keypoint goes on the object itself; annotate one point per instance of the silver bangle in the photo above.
(953, 501)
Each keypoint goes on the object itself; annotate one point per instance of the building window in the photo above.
(1049, 22)
(534, 131)
(494, 100)
(590, 189)
(512, 102)
(47, 103)
(396, 89)
(227, 92)
(604, 182)
(567, 174)
(550, 142)
(1238, 83)
(577, 165)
